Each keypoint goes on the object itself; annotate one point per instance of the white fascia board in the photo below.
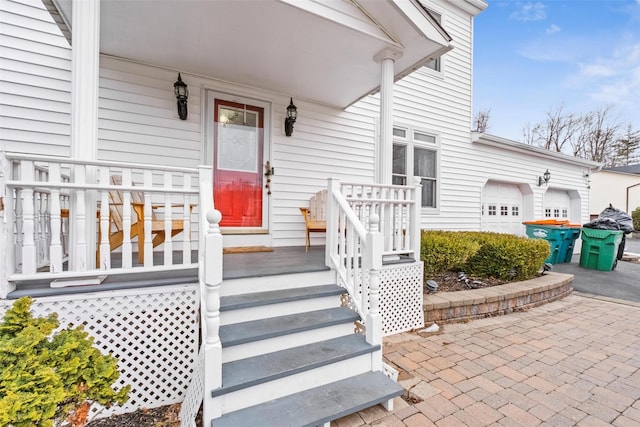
(519, 147)
(422, 21)
(472, 7)
(351, 15)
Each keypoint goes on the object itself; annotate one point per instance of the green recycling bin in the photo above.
(600, 248)
(566, 247)
(554, 234)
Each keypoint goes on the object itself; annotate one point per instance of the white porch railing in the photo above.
(366, 223)
(50, 202)
(398, 209)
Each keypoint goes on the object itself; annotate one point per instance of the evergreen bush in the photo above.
(635, 215)
(482, 254)
(442, 251)
(507, 257)
(47, 378)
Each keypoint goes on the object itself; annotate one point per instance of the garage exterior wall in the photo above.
(611, 187)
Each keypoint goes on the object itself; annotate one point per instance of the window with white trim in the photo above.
(435, 64)
(416, 152)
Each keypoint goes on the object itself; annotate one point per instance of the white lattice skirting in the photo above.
(152, 331)
(401, 297)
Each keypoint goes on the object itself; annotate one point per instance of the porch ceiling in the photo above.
(316, 50)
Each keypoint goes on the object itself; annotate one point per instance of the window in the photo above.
(415, 154)
(515, 211)
(435, 64)
(565, 213)
(492, 210)
(547, 213)
(556, 213)
(504, 210)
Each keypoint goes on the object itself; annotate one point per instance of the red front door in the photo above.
(238, 163)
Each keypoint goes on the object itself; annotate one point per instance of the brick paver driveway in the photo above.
(571, 362)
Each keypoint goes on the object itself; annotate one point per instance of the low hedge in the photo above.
(483, 254)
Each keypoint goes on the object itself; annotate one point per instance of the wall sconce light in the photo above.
(544, 179)
(292, 115)
(182, 94)
(587, 179)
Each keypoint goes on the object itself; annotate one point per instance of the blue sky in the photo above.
(530, 57)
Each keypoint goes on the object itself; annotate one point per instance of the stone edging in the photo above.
(462, 306)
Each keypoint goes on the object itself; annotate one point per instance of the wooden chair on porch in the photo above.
(116, 217)
(315, 218)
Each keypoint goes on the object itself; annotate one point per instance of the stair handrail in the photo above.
(355, 254)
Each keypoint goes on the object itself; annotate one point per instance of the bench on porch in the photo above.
(315, 218)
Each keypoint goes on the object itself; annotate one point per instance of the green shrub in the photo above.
(442, 251)
(482, 254)
(47, 378)
(507, 257)
(635, 215)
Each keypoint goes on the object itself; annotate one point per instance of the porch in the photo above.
(278, 261)
(246, 307)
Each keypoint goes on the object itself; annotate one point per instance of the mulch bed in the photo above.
(164, 416)
(450, 282)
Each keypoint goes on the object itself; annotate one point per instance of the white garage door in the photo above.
(557, 204)
(502, 208)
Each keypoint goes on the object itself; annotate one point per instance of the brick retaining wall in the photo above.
(461, 306)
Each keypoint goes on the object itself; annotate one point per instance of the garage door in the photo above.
(556, 204)
(502, 208)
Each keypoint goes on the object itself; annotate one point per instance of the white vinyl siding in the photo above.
(34, 80)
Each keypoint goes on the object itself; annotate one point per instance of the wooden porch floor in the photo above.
(282, 260)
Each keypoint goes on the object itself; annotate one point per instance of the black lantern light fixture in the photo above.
(544, 179)
(182, 94)
(292, 115)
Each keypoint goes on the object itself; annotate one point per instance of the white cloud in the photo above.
(555, 28)
(596, 70)
(530, 12)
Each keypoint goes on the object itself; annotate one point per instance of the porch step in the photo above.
(278, 333)
(270, 376)
(267, 367)
(235, 302)
(261, 305)
(318, 405)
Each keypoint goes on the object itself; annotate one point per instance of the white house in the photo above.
(93, 144)
(618, 186)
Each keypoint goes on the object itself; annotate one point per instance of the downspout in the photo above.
(386, 58)
(85, 53)
(627, 202)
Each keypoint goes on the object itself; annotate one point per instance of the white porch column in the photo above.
(386, 58)
(85, 41)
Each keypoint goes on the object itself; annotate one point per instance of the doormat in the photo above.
(246, 249)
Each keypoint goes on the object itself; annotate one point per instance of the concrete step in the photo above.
(266, 377)
(262, 305)
(318, 405)
(278, 333)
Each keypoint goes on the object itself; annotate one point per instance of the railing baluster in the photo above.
(55, 248)
(127, 247)
(27, 204)
(186, 215)
(104, 261)
(147, 213)
(168, 241)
